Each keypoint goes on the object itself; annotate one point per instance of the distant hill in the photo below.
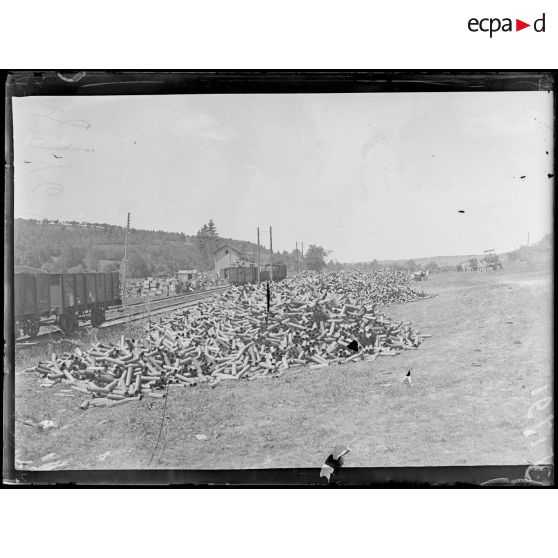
(440, 260)
(56, 247)
(535, 256)
(61, 246)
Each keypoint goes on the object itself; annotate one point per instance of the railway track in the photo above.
(144, 310)
(141, 308)
(128, 314)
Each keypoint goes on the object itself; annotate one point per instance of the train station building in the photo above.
(227, 256)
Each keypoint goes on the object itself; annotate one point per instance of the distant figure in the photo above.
(407, 379)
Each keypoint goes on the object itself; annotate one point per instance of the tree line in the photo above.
(408, 265)
(72, 246)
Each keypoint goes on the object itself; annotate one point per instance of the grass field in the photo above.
(471, 402)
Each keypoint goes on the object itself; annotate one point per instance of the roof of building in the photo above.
(229, 247)
(241, 255)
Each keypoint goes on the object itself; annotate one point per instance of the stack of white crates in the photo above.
(160, 287)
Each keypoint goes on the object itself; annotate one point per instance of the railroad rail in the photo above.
(152, 305)
(150, 308)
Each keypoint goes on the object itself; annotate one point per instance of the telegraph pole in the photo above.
(302, 256)
(259, 261)
(527, 239)
(296, 257)
(125, 257)
(212, 255)
(271, 254)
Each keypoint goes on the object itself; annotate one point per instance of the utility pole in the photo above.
(125, 258)
(270, 255)
(302, 256)
(296, 257)
(527, 239)
(259, 261)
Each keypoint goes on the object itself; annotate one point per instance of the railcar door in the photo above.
(29, 294)
(100, 287)
(18, 295)
(69, 290)
(116, 288)
(108, 287)
(81, 295)
(90, 290)
(42, 282)
(55, 288)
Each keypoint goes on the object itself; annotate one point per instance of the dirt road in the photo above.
(478, 398)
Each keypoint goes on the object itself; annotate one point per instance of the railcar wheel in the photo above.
(67, 323)
(97, 317)
(31, 328)
(63, 323)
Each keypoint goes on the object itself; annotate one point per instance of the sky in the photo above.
(365, 175)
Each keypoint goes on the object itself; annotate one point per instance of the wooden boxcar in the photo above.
(279, 272)
(241, 275)
(244, 275)
(63, 298)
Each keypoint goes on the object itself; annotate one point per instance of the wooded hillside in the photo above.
(57, 247)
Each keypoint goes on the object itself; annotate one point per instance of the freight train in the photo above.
(279, 272)
(62, 298)
(246, 275)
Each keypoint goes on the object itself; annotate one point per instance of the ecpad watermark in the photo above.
(492, 25)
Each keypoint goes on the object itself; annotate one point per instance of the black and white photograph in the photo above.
(325, 280)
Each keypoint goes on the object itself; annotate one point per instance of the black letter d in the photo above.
(535, 27)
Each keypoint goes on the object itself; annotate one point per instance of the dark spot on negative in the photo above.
(522, 176)
(550, 175)
(546, 152)
(461, 211)
(353, 345)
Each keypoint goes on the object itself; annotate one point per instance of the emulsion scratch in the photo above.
(74, 122)
(49, 188)
(72, 79)
(50, 167)
(118, 83)
(42, 143)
